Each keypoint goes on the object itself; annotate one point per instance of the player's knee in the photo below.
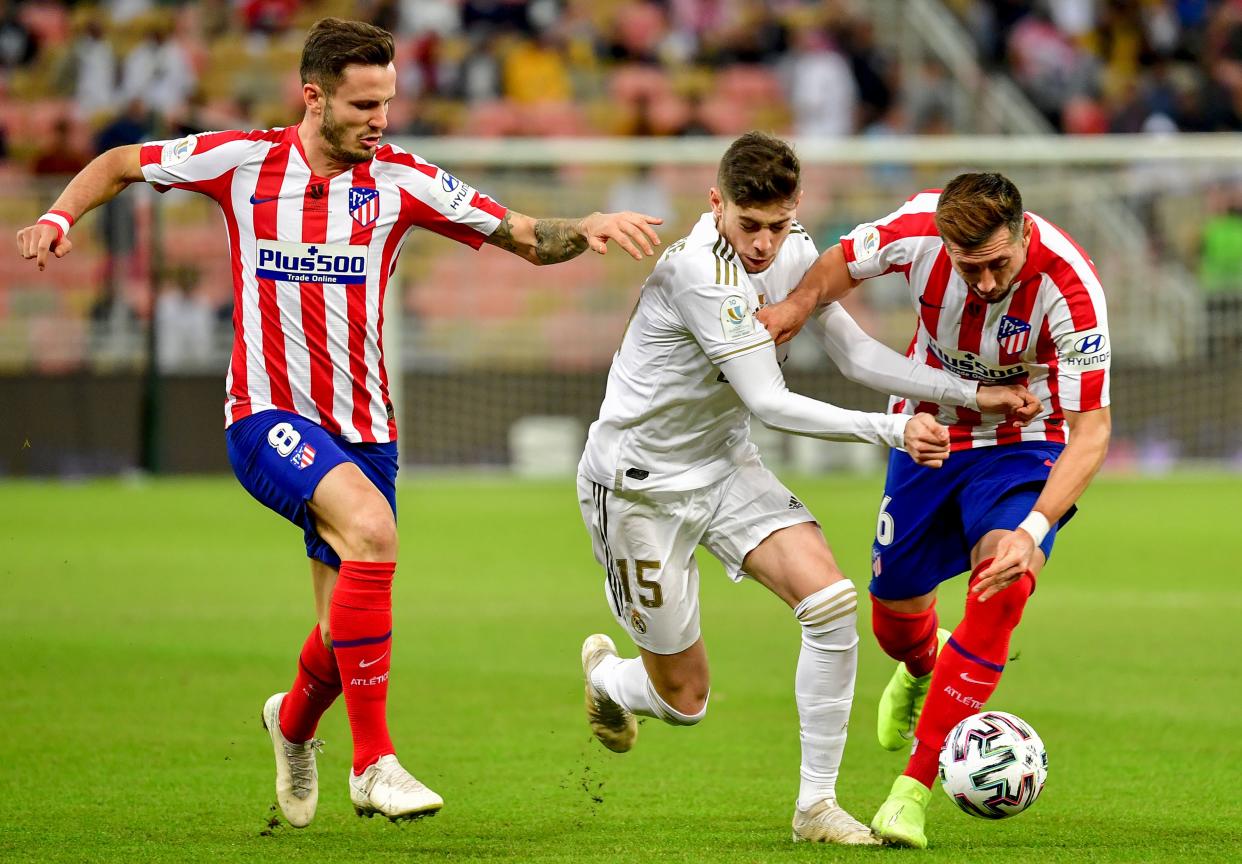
(829, 617)
(373, 535)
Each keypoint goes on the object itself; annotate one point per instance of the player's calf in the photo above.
(824, 692)
(968, 670)
(913, 639)
(697, 706)
(824, 686)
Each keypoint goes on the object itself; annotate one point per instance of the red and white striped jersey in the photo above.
(311, 260)
(1050, 333)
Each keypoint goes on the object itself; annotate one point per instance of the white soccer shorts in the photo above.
(646, 541)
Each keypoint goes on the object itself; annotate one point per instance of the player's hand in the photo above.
(1013, 400)
(926, 441)
(36, 241)
(1013, 558)
(631, 231)
(785, 319)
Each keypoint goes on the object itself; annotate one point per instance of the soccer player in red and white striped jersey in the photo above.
(316, 215)
(1003, 296)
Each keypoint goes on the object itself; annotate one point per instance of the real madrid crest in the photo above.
(637, 622)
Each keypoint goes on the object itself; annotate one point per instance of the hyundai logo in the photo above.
(1090, 344)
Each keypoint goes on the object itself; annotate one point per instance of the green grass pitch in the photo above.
(142, 625)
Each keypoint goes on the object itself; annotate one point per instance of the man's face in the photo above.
(989, 269)
(354, 117)
(756, 232)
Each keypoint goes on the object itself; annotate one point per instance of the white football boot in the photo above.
(389, 790)
(615, 727)
(297, 777)
(825, 822)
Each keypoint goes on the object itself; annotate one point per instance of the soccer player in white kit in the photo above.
(316, 216)
(669, 465)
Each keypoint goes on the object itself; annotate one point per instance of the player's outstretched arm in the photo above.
(825, 281)
(551, 241)
(1089, 433)
(873, 364)
(99, 182)
(757, 379)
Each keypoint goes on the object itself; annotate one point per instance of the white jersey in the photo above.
(670, 420)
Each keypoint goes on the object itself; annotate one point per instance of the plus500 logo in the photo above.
(336, 264)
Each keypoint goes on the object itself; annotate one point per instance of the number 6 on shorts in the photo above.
(884, 528)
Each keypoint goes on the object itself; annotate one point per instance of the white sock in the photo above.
(626, 683)
(824, 685)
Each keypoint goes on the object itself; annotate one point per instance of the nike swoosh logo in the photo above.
(966, 677)
(254, 200)
(923, 302)
(362, 664)
(1050, 463)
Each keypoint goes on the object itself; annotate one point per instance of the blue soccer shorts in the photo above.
(931, 518)
(280, 457)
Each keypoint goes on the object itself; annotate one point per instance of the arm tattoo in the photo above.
(503, 235)
(558, 240)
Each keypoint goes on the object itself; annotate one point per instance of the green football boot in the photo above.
(900, 819)
(902, 703)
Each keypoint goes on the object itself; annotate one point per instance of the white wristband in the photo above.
(57, 219)
(1036, 524)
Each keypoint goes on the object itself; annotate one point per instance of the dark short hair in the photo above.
(973, 206)
(759, 169)
(333, 43)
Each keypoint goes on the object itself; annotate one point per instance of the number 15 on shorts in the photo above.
(654, 597)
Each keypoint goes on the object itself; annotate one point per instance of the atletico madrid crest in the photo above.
(363, 205)
(303, 457)
(1014, 335)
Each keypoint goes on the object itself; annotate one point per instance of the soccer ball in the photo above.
(993, 765)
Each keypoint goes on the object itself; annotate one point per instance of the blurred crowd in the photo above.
(1095, 66)
(76, 77)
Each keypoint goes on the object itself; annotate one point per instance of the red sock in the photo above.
(909, 637)
(315, 688)
(361, 621)
(968, 670)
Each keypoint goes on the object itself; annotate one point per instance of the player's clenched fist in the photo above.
(927, 441)
(783, 320)
(36, 241)
(1013, 400)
